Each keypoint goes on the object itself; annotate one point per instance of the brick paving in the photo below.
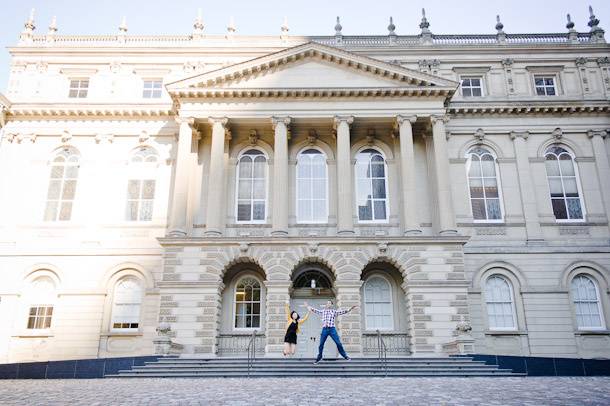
(309, 391)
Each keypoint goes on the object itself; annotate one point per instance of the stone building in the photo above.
(204, 180)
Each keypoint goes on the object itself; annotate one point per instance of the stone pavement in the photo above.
(309, 391)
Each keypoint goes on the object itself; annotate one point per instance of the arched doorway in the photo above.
(312, 283)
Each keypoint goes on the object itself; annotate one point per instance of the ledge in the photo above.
(34, 334)
(121, 334)
(505, 333)
(592, 333)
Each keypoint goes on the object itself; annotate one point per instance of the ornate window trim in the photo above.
(500, 197)
(310, 181)
(369, 179)
(251, 199)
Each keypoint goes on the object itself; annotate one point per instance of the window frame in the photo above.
(45, 317)
(600, 308)
(141, 172)
(481, 86)
(545, 76)
(237, 179)
(578, 185)
(79, 89)
(260, 302)
(142, 286)
(393, 324)
(66, 153)
(512, 299)
(36, 299)
(501, 220)
(326, 187)
(386, 185)
(152, 89)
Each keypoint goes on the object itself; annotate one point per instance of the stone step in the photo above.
(337, 374)
(309, 365)
(284, 370)
(300, 360)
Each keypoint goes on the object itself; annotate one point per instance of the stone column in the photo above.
(441, 164)
(280, 176)
(407, 172)
(215, 217)
(350, 324)
(177, 219)
(526, 186)
(345, 222)
(603, 165)
(275, 319)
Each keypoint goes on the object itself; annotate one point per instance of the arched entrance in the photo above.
(312, 283)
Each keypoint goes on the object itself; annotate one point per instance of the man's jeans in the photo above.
(332, 332)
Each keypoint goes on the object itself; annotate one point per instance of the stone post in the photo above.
(280, 176)
(177, 220)
(345, 222)
(603, 165)
(526, 186)
(275, 318)
(441, 164)
(350, 324)
(215, 217)
(407, 172)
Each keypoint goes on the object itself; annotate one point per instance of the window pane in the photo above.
(69, 189)
(378, 168)
(304, 210)
(245, 167)
(489, 165)
(365, 211)
(567, 166)
(491, 187)
(380, 210)
(259, 167)
(574, 209)
(559, 209)
(476, 92)
(571, 190)
(478, 209)
(146, 210)
(259, 189)
(243, 211)
(244, 190)
(379, 188)
(131, 211)
(493, 209)
(319, 189)
(476, 188)
(54, 188)
(259, 211)
(556, 187)
(552, 166)
(148, 191)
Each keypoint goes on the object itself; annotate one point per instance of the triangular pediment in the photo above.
(312, 66)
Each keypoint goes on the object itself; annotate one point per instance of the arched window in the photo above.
(312, 187)
(248, 303)
(372, 186)
(563, 183)
(41, 296)
(500, 304)
(127, 303)
(252, 187)
(586, 303)
(312, 278)
(62, 185)
(378, 308)
(141, 185)
(484, 185)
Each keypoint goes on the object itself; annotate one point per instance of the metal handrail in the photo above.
(383, 353)
(251, 351)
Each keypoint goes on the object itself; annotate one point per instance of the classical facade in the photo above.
(440, 182)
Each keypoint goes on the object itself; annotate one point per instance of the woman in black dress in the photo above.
(293, 322)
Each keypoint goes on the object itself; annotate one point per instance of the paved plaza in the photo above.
(309, 391)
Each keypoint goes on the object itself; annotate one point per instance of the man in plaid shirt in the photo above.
(329, 314)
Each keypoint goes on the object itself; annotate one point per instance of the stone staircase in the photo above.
(280, 367)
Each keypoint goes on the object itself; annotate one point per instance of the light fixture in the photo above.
(313, 283)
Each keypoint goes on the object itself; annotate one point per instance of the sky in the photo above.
(305, 17)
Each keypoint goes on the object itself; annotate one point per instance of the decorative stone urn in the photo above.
(463, 342)
(163, 342)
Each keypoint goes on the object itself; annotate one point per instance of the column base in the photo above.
(346, 232)
(448, 232)
(212, 233)
(176, 233)
(413, 231)
(279, 233)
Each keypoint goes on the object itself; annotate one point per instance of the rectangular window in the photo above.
(472, 86)
(40, 317)
(152, 88)
(126, 316)
(140, 198)
(79, 88)
(545, 85)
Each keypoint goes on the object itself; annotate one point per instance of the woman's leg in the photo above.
(293, 348)
(286, 349)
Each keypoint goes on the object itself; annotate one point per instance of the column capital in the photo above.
(519, 134)
(400, 119)
(595, 133)
(188, 120)
(275, 120)
(338, 119)
(439, 118)
(218, 120)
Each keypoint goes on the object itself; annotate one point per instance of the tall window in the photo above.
(483, 184)
(378, 304)
(312, 205)
(252, 187)
(141, 185)
(62, 185)
(152, 88)
(500, 305)
(586, 302)
(248, 303)
(79, 88)
(563, 183)
(545, 85)
(372, 186)
(41, 297)
(126, 304)
(472, 86)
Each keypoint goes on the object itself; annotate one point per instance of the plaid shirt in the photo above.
(329, 315)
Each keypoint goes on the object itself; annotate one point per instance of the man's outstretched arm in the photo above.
(344, 311)
(312, 309)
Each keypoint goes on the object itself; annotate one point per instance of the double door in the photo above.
(309, 338)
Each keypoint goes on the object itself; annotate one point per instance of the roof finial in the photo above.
(29, 24)
(53, 26)
(29, 27)
(284, 29)
(198, 24)
(570, 24)
(424, 25)
(231, 28)
(123, 26)
(391, 27)
(499, 25)
(338, 27)
(593, 22)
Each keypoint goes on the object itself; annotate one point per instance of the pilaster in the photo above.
(275, 327)
(408, 176)
(441, 162)
(215, 216)
(177, 219)
(280, 176)
(345, 221)
(350, 324)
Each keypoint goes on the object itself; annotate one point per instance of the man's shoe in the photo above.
(348, 359)
(316, 362)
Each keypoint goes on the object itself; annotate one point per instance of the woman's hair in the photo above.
(298, 316)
